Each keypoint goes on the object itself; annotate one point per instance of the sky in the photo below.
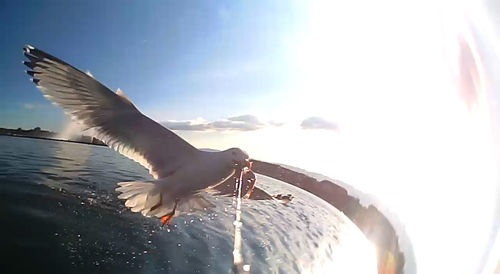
(396, 98)
(176, 60)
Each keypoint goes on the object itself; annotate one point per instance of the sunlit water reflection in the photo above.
(60, 213)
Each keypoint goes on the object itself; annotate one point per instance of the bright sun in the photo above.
(407, 133)
(408, 87)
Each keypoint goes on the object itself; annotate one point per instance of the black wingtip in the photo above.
(35, 55)
(28, 48)
(30, 53)
(34, 80)
(29, 64)
(32, 73)
(31, 57)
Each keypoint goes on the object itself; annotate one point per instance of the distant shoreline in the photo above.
(38, 133)
(52, 139)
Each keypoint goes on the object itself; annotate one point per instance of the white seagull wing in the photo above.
(116, 120)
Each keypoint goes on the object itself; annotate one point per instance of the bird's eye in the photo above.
(234, 153)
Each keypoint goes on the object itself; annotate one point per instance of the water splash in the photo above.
(71, 130)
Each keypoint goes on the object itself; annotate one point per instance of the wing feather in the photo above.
(114, 117)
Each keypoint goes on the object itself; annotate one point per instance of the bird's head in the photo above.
(238, 157)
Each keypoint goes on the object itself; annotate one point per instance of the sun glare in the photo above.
(407, 87)
(406, 133)
(354, 254)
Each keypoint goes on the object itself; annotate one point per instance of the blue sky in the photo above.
(221, 73)
(175, 59)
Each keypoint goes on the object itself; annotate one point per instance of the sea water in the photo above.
(60, 213)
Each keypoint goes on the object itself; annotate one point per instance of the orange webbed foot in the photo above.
(166, 220)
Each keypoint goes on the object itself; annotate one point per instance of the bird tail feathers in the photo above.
(147, 198)
(140, 196)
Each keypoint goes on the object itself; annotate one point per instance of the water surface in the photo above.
(60, 213)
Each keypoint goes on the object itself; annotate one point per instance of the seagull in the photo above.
(183, 175)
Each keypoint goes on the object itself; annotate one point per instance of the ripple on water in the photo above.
(58, 200)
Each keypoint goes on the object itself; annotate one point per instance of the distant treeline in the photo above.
(35, 132)
(45, 134)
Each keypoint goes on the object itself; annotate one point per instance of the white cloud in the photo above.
(185, 125)
(236, 123)
(318, 123)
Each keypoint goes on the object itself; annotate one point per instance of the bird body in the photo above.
(209, 168)
(183, 175)
(157, 197)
